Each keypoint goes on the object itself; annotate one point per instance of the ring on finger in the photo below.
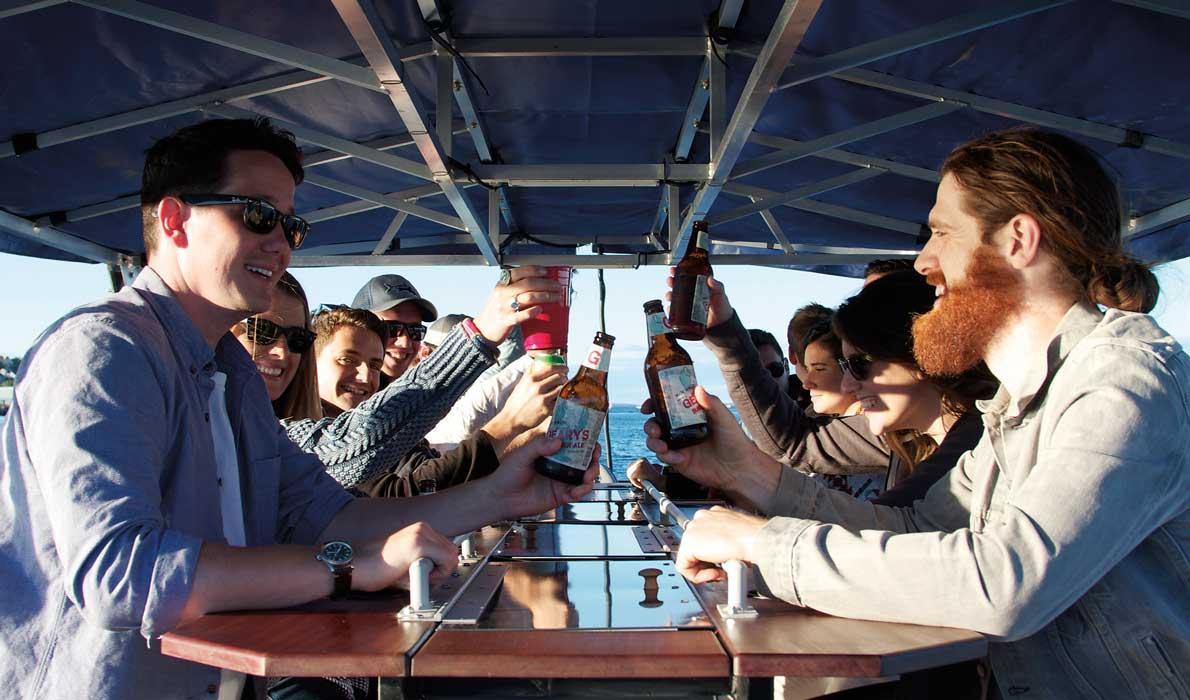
(514, 304)
(505, 277)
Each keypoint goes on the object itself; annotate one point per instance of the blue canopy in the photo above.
(807, 132)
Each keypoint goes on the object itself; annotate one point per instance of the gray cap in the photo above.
(386, 291)
(441, 328)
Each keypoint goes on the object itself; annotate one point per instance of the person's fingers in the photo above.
(709, 573)
(647, 407)
(669, 296)
(652, 428)
(710, 403)
(658, 446)
(527, 299)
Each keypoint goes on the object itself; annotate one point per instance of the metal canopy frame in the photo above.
(381, 69)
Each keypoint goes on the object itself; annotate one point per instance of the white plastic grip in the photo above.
(419, 583)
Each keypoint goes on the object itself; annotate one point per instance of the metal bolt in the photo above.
(706, 85)
(473, 125)
(694, 123)
(458, 85)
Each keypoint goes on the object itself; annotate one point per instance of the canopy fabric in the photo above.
(1111, 74)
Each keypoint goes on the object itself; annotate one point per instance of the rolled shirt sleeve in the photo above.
(1110, 468)
(96, 437)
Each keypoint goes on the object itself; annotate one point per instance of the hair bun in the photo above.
(1124, 283)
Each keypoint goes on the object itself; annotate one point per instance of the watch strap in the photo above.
(342, 576)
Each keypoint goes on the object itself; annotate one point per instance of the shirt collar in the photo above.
(1079, 321)
(179, 327)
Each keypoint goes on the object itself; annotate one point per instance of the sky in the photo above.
(39, 291)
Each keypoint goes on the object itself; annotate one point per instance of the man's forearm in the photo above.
(250, 578)
(457, 510)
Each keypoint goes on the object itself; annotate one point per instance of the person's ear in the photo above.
(1023, 242)
(172, 215)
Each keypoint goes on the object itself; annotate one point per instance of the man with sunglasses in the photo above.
(405, 314)
(147, 480)
(1064, 535)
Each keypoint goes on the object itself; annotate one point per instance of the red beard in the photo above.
(954, 337)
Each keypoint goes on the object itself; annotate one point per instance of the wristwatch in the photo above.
(337, 557)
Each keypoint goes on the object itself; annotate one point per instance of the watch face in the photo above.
(336, 553)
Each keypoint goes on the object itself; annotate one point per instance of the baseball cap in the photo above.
(386, 291)
(441, 328)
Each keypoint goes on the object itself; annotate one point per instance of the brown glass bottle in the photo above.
(579, 415)
(669, 374)
(691, 296)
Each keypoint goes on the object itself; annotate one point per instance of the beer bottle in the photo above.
(669, 374)
(691, 295)
(579, 414)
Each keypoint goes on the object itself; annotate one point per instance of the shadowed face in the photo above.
(349, 367)
(400, 353)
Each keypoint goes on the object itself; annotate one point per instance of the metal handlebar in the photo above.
(420, 606)
(737, 573)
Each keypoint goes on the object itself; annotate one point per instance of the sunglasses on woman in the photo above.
(259, 216)
(261, 331)
(858, 366)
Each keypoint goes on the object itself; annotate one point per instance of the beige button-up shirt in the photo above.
(1064, 533)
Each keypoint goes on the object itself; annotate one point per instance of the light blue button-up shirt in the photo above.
(108, 491)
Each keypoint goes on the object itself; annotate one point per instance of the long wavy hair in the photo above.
(300, 398)
(879, 322)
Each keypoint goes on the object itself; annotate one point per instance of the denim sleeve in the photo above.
(309, 499)
(96, 436)
(1111, 468)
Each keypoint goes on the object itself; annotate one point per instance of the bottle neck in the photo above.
(655, 325)
(596, 363)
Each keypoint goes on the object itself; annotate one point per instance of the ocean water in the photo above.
(628, 437)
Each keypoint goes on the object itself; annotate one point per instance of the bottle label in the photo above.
(578, 428)
(702, 300)
(677, 388)
(598, 357)
(657, 324)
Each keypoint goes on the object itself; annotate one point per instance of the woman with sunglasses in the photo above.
(366, 446)
(914, 413)
(830, 441)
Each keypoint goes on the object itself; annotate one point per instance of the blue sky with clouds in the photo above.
(38, 291)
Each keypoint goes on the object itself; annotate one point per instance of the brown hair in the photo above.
(300, 398)
(803, 320)
(329, 321)
(1063, 185)
(193, 160)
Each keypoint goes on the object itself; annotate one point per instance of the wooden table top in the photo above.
(788, 641)
(327, 638)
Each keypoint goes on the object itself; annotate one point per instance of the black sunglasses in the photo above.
(259, 216)
(858, 366)
(778, 368)
(261, 331)
(396, 329)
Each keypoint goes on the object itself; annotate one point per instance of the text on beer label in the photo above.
(677, 388)
(578, 428)
(702, 300)
(598, 357)
(657, 324)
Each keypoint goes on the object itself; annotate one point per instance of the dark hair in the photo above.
(193, 160)
(1063, 184)
(326, 323)
(300, 398)
(803, 320)
(879, 322)
(822, 332)
(760, 338)
(883, 267)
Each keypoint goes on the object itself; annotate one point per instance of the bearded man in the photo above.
(1063, 535)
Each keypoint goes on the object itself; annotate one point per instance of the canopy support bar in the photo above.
(803, 192)
(367, 29)
(1166, 216)
(823, 209)
(56, 238)
(790, 25)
